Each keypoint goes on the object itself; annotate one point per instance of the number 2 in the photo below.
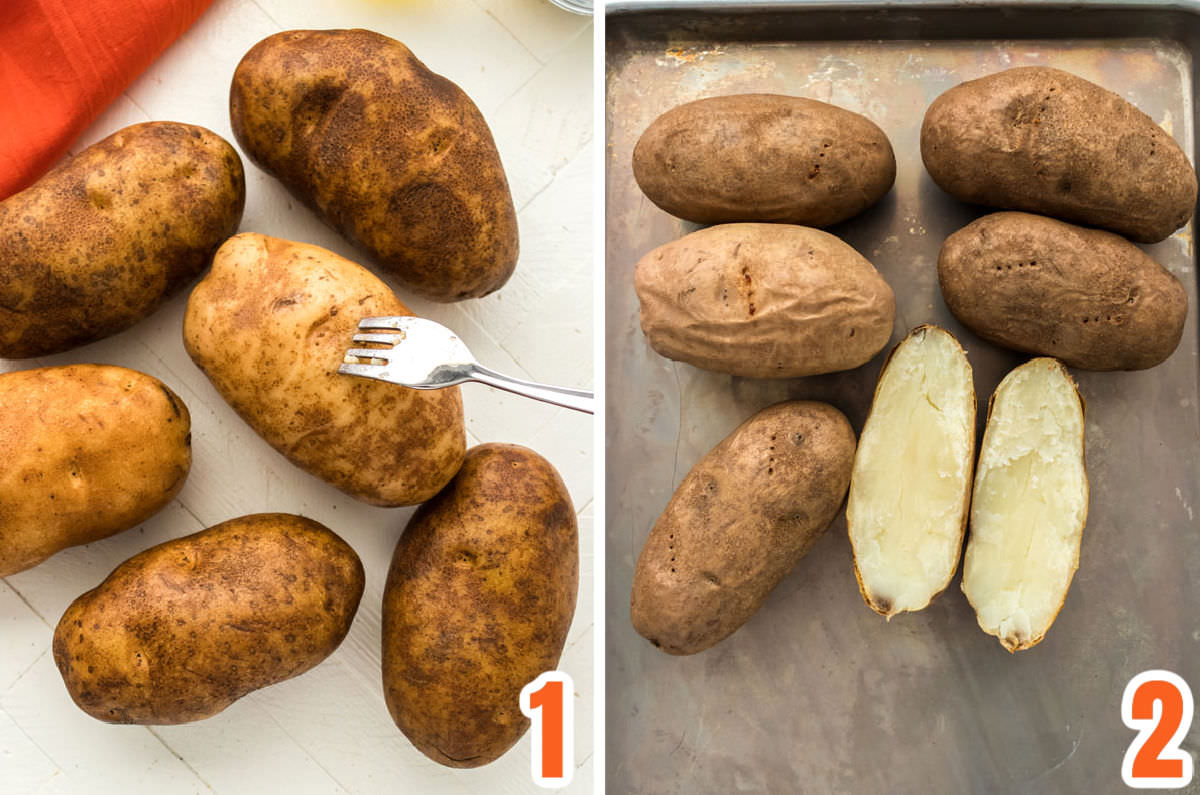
(548, 702)
(1158, 705)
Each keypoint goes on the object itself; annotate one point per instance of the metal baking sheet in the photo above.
(816, 693)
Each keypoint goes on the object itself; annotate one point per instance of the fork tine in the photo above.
(363, 370)
(382, 322)
(385, 339)
(369, 353)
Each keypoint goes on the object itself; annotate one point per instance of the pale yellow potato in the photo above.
(88, 451)
(911, 485)
(1030, 504)
(270, 325)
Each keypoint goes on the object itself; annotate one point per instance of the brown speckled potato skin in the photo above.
(478, 602)
(741, 519)
(270, 324)
(1046, 287)
(186, 628)
(102, 240)
(396, 158)
(1046, 141)
(763, 157)
(764, 301)
(88, 450)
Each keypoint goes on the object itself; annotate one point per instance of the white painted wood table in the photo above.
(528, 66)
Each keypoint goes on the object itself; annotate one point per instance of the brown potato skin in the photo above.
(764, 301)
(394, 157)
(791, 159)
(1041, 286)
(478, 602)
(739, 522)
(89, 450)
(181, 631)
(102, 240)
(270, 324)
(1046, 141)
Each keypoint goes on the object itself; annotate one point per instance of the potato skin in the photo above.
(89, 450)
(478, 602)
(795, 160)
(1041, 286)
(394, 157)
(764, 301)
(102, 240)
(739, 522)
(181, 631)
(1046, 141)
(270, 324)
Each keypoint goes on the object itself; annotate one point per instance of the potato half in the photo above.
(911, 486)
(1030, 504)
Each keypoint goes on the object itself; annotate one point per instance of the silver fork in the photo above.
(422, 354)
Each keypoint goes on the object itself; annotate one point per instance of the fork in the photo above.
(422, 354)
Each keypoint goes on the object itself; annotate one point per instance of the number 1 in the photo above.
(1158, 704)
(549, 702)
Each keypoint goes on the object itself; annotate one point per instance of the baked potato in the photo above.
(746, 513)
(911, 485)
(89, 450)
(763, 301)
(1047, 141)
(394, 157)
(103, 239)
(270, 325)
(179, 632)
(478, 602)
(1041, 286)
(1030, 504)
(763, 157)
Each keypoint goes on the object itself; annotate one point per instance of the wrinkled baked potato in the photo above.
(764, 301)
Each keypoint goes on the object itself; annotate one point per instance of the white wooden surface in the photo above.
(528, 67)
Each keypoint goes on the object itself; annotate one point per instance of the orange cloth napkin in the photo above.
(62, 62)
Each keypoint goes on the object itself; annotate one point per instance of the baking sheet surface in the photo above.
(816, 693)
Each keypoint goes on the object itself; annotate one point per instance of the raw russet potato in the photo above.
(179, 632)
(763, 301)
(102, 240)
(1030, 504)
(763, 157)
(911, 486)
(88, 450)
(396, 158)
(478, 602)
(739, 522)
(1046, 141)
(1041, 286)
(270, 325)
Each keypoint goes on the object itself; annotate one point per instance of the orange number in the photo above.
(546, 702)
(1159, 705)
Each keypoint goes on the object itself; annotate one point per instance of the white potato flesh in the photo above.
(1030, 505)
(912, 474)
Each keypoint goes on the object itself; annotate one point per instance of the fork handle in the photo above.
(578, 399)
